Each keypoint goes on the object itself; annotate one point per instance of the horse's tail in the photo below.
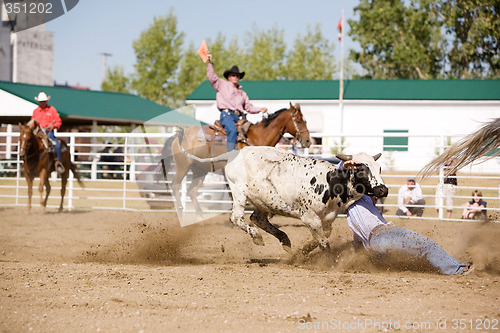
(76, 174)
(166, 157)
(484, 142)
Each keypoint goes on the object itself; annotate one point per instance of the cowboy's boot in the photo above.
(59, 167)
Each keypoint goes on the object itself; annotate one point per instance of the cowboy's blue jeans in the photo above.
(55, 142)
(390, 240)
(228, 121)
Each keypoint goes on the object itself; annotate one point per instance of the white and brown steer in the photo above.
(277, 182)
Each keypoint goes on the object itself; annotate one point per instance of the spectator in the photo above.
(447, 189)
(410, 199)
(476, 208)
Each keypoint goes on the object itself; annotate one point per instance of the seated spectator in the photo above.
(476, 208)
(410, 199)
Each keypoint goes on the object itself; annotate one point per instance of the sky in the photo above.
(111, 26)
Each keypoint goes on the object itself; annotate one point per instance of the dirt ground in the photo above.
(111, 271)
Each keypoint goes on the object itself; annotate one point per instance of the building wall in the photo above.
(26, 56)
(5, 53)
(430, 125)
(33, 56)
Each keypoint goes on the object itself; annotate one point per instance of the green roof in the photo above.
(363, 90)
(99, 105)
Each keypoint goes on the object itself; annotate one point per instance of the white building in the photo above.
(409, 120)
(26, 49)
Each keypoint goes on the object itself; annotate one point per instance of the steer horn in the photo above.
(344, 157)
(376, 157)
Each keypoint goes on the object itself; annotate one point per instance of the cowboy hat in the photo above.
(42, 97)
(234, 70)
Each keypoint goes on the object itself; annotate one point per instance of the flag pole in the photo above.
(341, 81)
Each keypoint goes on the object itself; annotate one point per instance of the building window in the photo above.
(396, 143)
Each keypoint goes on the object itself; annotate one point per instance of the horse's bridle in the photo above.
(26, 146)
(298, 133)
(33, 136)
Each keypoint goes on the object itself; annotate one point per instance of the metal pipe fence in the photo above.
(119, 174)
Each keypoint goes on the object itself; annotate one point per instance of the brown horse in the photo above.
(268, 132)
(39, 162)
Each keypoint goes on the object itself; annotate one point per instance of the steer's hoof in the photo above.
(287, 248)
(257, 240)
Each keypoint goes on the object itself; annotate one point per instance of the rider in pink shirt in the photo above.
(231, 100)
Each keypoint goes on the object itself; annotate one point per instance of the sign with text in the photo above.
(26, 14)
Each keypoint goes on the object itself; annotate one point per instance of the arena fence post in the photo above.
(71, 176)
(184, 193)
(441, 183)
(93, 167)
(18, 172)
(440, 191)
(125, 156)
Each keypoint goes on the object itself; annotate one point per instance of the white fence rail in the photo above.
(113, 169)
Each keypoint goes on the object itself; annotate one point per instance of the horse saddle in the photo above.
(216, 132)
(49, 144)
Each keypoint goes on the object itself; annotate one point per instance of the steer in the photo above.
(277, 182)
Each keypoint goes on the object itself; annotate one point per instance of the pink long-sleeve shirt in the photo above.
(228, 96)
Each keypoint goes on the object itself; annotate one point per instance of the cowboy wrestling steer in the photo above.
(280, 183)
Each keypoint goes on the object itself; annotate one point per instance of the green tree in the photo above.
(116, 81)
(159, 51)
(473, 31)
(265, 59)
(191, 74)
(193, 71)
(311, 57)
(167, 74)
(399, 39)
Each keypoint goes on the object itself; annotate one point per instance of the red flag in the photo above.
(339, 28)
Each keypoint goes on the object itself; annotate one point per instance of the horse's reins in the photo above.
(298, 134)
(44, 152)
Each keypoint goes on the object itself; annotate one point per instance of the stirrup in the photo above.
(59, 167)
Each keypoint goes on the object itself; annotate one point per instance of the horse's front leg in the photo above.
(193, 194)
(198, 178)
(29, 182)
(44, 181)
(176, 185)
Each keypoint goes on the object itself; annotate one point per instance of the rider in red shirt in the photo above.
(49, 119)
